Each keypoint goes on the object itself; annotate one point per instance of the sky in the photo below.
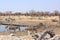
(27, 5)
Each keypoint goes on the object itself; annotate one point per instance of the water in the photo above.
(3, 29)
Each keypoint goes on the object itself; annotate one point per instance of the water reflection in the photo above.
(22, 28)
(3, 29)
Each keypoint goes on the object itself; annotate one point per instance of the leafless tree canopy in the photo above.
(32, 13)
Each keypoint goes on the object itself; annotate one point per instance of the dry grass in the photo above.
(33, 21)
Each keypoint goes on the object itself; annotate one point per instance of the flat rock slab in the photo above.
(9, 38)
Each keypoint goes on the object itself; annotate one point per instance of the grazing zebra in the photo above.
(42, 36)
(12, 28)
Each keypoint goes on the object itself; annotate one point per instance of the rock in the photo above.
(8, 37)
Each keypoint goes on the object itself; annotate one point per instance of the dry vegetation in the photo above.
(49, 20)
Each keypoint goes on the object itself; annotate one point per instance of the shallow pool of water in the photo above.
(3, 29)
